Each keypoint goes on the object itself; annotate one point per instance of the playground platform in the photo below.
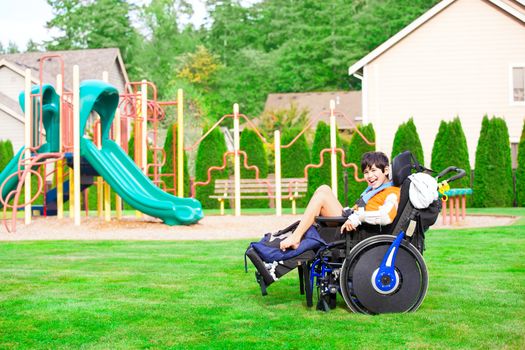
(209, 228)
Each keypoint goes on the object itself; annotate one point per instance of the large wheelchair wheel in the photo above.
(358, 273)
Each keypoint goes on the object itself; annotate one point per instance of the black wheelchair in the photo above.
(377, 269)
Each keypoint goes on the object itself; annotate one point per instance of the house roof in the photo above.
(318, 105)
(92, 63)
(515, 8)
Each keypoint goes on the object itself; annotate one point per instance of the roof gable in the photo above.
(515, 8)
(92, 63)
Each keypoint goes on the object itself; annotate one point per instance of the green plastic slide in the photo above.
(120, 172)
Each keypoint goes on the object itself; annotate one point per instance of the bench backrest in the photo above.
(288, 186)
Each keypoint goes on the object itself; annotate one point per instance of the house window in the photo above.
(518, 84)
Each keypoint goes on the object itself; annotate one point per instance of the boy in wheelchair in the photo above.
(377, 265)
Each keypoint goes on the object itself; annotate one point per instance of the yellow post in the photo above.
(106, 188)
(100, 181)
(76, 143)
(60, 163)
(333, 145)
(118, 200)
(27, 155)
(180, 144)
(237, 161)
(278, 191)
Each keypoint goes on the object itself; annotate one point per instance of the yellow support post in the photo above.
(118, 200)
(60, 163)
(180, 144)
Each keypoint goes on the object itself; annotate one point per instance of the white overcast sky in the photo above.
(21, 20)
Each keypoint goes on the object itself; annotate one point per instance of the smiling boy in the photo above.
(377, 205)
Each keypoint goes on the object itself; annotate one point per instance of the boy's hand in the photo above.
(289, 242)
(351, 224)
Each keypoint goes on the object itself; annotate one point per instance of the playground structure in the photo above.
(276, 186)
(55, 131)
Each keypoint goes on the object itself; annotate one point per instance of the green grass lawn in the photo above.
(106, 295)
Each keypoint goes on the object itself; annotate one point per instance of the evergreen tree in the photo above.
(355, 151)
(520, 171)
(9, 151)
(451, 135)
(210, 153)
(3, 156)
(293, 160)
(493, 174)
(407, 139)
(167, 168)
(323, 176)
(256, 156)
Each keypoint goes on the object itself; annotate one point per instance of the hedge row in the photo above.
(520, 171)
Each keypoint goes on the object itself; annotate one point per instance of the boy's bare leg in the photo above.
(324, 203)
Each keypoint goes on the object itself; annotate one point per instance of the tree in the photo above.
(407, 139)
(294, 160)
(12, 47)
(251, 143)
(167, 168)
(322, 176)
(210, 153)
(520, 171)
(451, 135)
(32, 46)
(92, 24)
(492, 185)
(358, 146)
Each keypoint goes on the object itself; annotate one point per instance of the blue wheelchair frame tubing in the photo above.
(387, 268)
(314, 275)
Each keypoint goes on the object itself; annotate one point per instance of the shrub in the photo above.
(256, 156)
(3, 156)
(450, 149)
(520, 171)
(493, 174)
(407, 139)
(167, 168)
(355, 151)
(294, 159)
(210, 153)
(322, 176)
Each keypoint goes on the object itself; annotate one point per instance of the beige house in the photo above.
(318, 105)
(462, 58)
(12, 77)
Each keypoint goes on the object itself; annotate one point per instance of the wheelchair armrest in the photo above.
(331, 221)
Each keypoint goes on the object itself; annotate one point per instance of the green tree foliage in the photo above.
(92, 24)
(3, 155)
(167, 168)
(520, 171)
(450, 149)
(493, 185)
(407, 139)
(162, 49)
(294, 159)
(254, 148)
(210, 153)
(322, 176)
(355, 151)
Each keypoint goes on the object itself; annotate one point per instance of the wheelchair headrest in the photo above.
(402, 166)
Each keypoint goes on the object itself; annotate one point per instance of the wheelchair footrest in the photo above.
(263, 276)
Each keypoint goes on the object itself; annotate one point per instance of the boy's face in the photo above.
(375, 177)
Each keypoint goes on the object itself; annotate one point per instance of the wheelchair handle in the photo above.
(460, 173)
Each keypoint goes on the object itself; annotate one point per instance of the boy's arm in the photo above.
(384, 215)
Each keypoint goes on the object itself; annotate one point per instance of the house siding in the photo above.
(12, 129)
(11, 82)
(456, 64)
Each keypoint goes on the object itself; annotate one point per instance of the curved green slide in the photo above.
(51, 122)
(120, 172)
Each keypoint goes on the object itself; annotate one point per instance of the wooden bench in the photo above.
(291, 189)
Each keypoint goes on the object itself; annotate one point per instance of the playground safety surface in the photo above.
(209, 228)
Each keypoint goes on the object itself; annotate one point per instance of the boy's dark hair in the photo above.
(379, 159)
